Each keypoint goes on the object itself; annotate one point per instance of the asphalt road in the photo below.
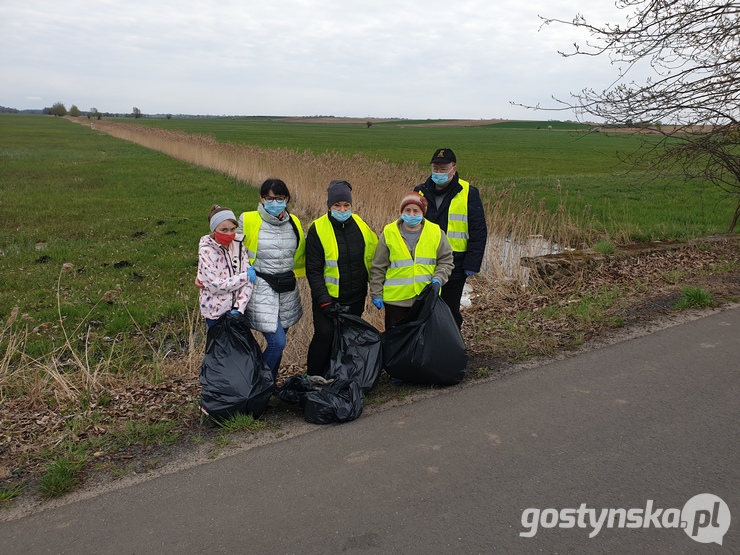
(641, 425)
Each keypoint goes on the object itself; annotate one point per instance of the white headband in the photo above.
(220, 217)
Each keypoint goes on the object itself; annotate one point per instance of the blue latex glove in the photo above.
(435, 280)
(469, 273)
(235, 311)
(252, 274)
(378, 302)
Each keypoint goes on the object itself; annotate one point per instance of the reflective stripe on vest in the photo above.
(457, 219)
(252, 221)
(325, 231)
(405, 278)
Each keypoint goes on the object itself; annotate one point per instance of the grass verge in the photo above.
(63, 473)
(694, 297)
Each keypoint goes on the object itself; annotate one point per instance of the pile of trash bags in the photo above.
(354, 368)
(424, 348)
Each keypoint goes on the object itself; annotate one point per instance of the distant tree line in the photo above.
(59, 109)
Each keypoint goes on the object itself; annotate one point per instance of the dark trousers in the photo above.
(394, 314)
(319, 350)
(451, 294)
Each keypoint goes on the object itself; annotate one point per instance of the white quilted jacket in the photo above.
(276, 246)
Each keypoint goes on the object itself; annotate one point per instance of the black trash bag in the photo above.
(355, 364)
(426, 346)
(233, 375)
(338, 402)
(294, 390)
(356, 352)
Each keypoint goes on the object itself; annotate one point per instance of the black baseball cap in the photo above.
(444, 156)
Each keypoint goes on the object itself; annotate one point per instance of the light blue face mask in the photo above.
(341, 216)
(275, 207)
(411, 221)
(440, 178)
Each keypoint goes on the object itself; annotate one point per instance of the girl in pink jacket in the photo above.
(223, 268)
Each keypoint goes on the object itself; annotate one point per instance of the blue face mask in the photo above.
(411, 221)
(275, 207)
(440, 178)
(341, 216)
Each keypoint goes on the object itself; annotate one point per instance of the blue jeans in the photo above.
(274, 351)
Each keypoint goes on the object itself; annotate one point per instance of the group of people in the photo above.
(250, 263)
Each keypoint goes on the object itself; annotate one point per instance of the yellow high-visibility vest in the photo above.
(457, 219)
(328, 238)
(252, 222)
(406, 277)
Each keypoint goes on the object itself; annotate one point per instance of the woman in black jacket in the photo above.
(339, 250)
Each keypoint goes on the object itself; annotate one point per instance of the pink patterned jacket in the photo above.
(225, 281)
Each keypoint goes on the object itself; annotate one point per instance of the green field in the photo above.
(626, 203)
(122, 215)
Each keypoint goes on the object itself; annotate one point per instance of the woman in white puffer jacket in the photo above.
(276, 247)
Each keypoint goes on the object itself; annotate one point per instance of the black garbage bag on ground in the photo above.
(233, 374)
(426, 347)
(354, 366)
(356, 352)
(294, 390)
(338, 402)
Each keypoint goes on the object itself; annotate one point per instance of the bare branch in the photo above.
(692, 101)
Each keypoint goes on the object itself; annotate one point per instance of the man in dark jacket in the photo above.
(456, 207)
(339, 250)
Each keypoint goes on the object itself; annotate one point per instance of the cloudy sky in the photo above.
(349, 58)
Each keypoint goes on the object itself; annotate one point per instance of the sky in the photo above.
(414, 59)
